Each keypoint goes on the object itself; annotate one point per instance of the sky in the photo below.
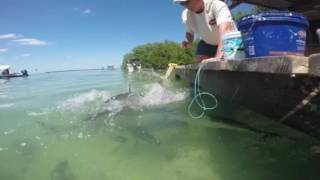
(47, 35)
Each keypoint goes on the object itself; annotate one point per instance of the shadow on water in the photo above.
(264, 135)
(263, 159)
(234, 115)
(259, 148)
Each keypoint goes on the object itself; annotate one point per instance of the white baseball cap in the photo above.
(179, 1)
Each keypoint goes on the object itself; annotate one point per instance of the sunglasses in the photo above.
(184, 3)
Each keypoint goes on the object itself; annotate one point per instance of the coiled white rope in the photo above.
(198, 97)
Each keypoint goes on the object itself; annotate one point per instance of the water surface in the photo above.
(58, 127)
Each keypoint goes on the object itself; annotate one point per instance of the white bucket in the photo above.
(232, 46)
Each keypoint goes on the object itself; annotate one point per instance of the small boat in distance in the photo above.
(111, 67)
(5, 73)
(134, 66)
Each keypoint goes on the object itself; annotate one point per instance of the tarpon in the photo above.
(62, 171)
(126, 99)
(119, 97)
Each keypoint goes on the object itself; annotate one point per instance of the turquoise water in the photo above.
(59, 127)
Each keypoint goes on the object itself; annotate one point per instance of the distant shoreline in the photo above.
(72, 70)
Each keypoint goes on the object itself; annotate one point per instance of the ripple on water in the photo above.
(3, 106)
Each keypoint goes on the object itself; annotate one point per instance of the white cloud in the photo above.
(31, 42)
(25, 55)
(83, 11)
(87, 11)
(9, 36)
(3, 50)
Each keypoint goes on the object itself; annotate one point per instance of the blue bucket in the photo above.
(274, 34)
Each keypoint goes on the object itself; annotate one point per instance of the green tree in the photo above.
(237, 16)
(159, 55)
(260, 9)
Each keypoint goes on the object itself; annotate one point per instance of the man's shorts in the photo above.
(206, 49)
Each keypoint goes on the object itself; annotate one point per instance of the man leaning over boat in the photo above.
(209, 20)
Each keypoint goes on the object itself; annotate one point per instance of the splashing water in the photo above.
(94, 97)
(151, 95)
(158, 95)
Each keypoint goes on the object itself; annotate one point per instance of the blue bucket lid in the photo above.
(274, 17)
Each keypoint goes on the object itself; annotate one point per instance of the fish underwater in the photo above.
(151, 95)
(62, 171)
(120, 97)
(130, 102)
(144, 135)
(119, 103)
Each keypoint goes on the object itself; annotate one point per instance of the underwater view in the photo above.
(111, 125)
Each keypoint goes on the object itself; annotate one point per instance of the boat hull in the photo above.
(274, 95)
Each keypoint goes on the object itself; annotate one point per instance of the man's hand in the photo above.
(186, 44)
(210, 60)
(219, 55)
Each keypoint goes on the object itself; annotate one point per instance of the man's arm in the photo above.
(189, 39)
(223, 28)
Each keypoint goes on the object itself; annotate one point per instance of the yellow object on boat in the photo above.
(171, 67)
